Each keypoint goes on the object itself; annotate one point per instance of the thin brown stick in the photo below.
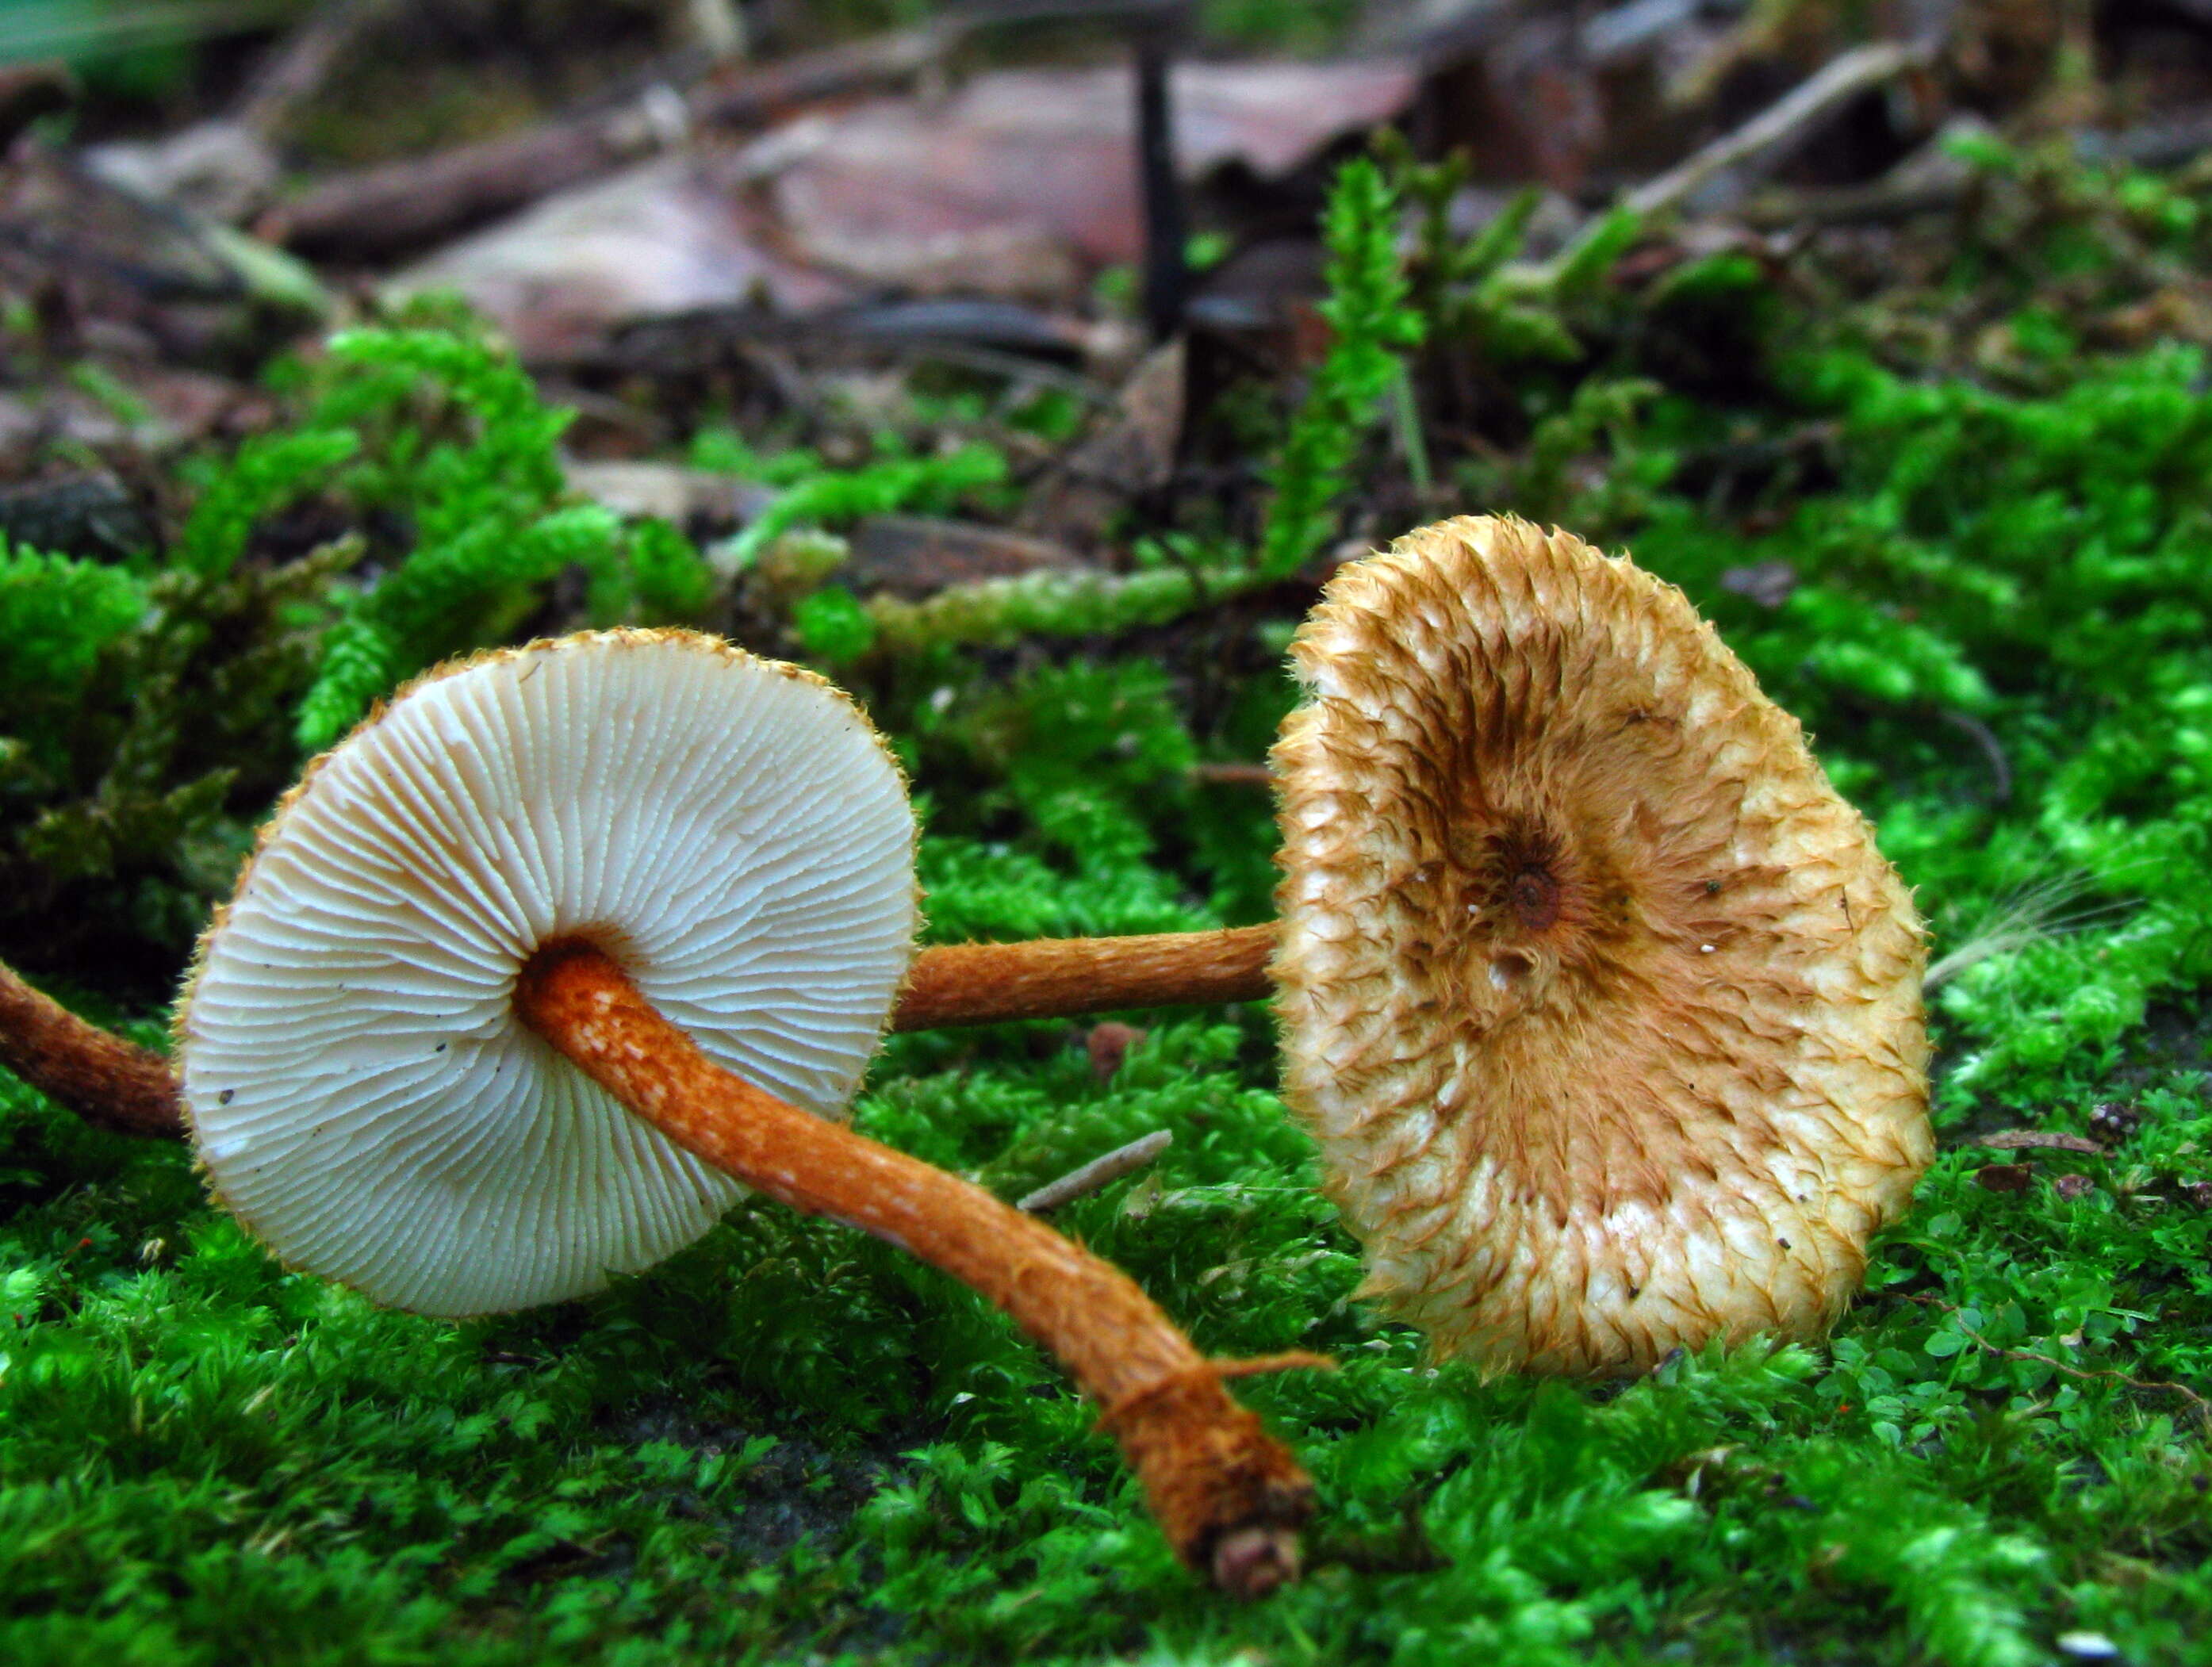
(1229, 1496)
(1056, 977)
(1232, 773)
(296, 70)
(103, 1078)
(1780, 125)
(377, 211)
(1087, 1178)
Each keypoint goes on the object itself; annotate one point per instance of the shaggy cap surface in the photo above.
(1600, 1002)
(361, 1091)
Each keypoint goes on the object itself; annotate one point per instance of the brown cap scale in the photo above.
(1602, 1005)
(555, 950)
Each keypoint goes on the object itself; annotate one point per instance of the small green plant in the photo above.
(1373, 327)
(138, 701)
(825, 496)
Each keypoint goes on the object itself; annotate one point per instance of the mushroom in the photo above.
(1060, 977)
(556, 949)
(1602, 1004)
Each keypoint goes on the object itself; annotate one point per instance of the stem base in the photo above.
(1229, 1496)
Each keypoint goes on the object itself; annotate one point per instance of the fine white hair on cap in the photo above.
(362, 1093)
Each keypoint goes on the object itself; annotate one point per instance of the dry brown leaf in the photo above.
(898, 187)
(673, 235)
(917, 555)
(2039, 1140)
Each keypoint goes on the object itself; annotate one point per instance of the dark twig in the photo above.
(400, 205)
(1232, 775)
(1165, 225)
(2000, 770)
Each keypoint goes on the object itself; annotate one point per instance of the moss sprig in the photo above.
(1372, 327)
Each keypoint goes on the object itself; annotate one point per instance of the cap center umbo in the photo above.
(1526, 894)
(1537, 897)
(1525, 877)
(1504, 900)
(1534, 895)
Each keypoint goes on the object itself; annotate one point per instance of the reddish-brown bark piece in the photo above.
(1229, 1496)
(2032, 1139)
(1054, 977)
(103, 1078)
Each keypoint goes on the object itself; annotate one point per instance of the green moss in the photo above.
(57, 613)
(876, 489)
(1372, 326)
(792, 1438)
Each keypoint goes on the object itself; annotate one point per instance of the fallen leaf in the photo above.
(914, 557)
(672, 235)
(1020, 184)
(2039, 1140)
(698, 499)
(1050, 152)
(2004, 1177)
(1130, 450)
(219, 168)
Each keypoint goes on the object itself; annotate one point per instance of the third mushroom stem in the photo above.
(1229, 1496)
(1057, 978)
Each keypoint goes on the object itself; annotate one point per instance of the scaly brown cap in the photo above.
(1600, 1002)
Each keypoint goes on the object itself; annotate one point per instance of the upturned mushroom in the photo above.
(1600, 1001)
(568, 940)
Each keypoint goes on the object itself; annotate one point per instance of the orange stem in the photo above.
(1229, 1496)
(103, 1078)
(1057, 978)
(113, 1083)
